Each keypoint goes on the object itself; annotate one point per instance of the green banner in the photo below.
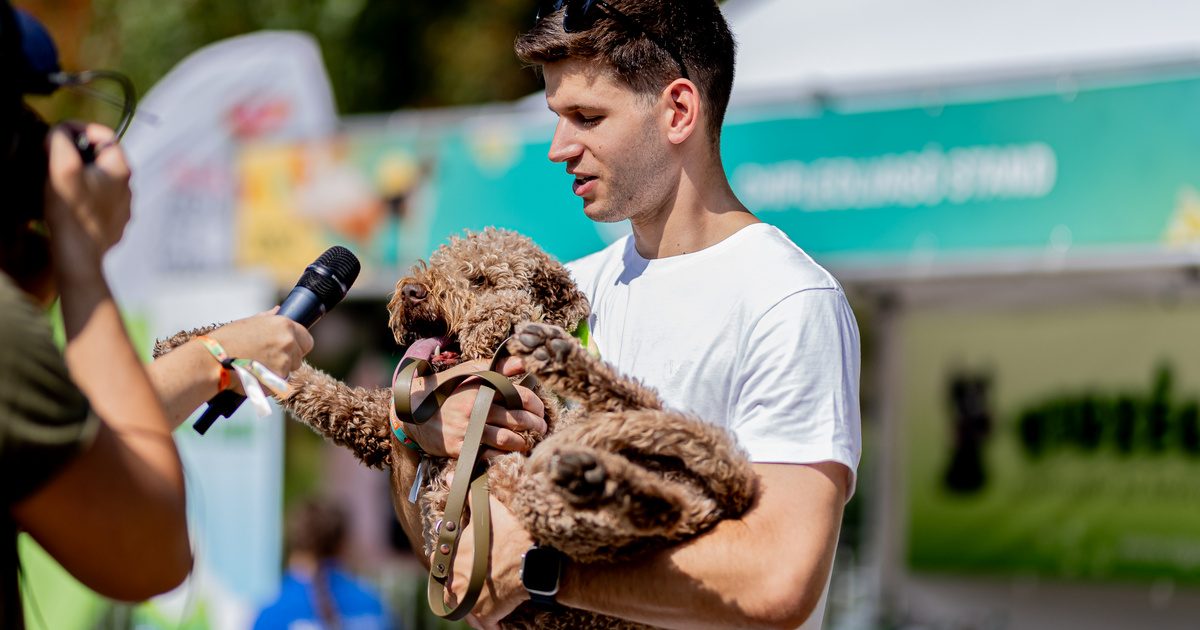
(1113, 167)
(1091, 171)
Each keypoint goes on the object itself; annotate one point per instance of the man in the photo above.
(719, 312)
(88, 466)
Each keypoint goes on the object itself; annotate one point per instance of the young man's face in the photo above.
(612, 140)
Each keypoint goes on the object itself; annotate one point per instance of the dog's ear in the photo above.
(563, 304)
(490, 319)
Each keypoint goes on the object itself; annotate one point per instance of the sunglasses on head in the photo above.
(581, 15)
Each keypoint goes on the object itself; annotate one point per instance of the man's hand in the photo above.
(443, 434)
(502, 592)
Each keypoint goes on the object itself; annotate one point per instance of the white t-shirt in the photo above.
(750, 334)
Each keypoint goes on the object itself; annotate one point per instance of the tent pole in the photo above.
(887, 514)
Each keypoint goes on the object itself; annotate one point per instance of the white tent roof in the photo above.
(794, 49)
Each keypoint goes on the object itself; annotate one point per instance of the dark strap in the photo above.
(470, 476)
(220, 406)
(467, 477)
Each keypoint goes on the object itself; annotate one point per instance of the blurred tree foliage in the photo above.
(381, 55)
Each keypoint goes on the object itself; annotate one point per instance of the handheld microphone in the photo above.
(322, 285)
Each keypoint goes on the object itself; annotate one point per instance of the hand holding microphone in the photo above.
(278, 343)
(321, 287)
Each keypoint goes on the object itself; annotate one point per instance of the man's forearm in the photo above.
(767, 569)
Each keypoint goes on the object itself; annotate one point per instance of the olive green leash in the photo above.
(470, 475)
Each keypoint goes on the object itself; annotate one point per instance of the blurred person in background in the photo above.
(719, 312)
(316, 592)
(88, 465)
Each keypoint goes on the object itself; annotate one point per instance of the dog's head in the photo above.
(474, 290)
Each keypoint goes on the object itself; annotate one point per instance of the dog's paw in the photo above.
(542, 346)
(580, 475)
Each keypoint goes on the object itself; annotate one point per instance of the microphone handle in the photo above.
(301, 306)
(220, 406)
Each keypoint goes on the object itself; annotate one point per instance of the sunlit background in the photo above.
(1009, 191)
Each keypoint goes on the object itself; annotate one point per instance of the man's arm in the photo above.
(769, 568)
(765, 570)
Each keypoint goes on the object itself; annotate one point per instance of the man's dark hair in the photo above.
(694, 28)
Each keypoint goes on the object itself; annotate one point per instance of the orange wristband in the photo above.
(223, 380)
(218, 353)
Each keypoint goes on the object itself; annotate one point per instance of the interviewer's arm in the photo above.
(188, 376)
(115, 515)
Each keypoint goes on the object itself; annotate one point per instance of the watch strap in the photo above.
(543, 600)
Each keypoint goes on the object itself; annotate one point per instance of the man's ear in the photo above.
(682, 98)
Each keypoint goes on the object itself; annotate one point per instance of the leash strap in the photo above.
(470, 477)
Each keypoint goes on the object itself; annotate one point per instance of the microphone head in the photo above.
(331, 275)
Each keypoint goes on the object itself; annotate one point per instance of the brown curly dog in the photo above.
(615, 475)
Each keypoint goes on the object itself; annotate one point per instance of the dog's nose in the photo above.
(413, 292)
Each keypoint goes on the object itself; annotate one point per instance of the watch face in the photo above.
(540, 571)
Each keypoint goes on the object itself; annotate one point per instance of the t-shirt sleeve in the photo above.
(796, 400)
(44, 418)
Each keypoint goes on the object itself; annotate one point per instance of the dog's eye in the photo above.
(478, 282)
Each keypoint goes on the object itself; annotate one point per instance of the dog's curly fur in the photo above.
(616, 473)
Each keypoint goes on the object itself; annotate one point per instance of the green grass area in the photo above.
(1073, 514)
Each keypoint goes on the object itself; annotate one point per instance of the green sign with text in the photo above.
(1103, 168)
(1099, 170)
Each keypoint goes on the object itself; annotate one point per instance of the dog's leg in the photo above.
(619, 481)
(163, 346)
(679, 448)
(353, 417)
(595, 506)
(567, 369)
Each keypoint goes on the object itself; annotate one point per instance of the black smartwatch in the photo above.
(541, 570)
